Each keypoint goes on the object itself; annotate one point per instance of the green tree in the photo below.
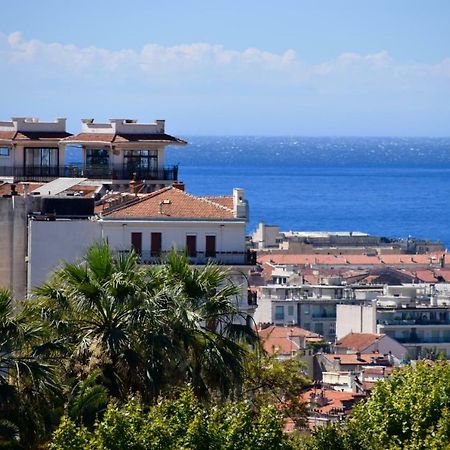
(182, 423)
(408, 411)
(280, 382)
(28, 382)
(145, 329)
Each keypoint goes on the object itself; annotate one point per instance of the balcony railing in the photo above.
(414, 339)
(37, 173)
(227, 258)
(409, 322)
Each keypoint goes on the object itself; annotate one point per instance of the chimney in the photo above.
(26, 189)
(358, 356)
(13, 190)
(239, 204)
(178, 185)
(161, 125)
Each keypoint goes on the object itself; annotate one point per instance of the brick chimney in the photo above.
(178, 185)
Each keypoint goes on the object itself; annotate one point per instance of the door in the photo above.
(210, 247)
(191, 245)
(136, 242)
(155, 244)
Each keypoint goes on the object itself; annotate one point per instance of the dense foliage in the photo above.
(107, 328)
(409, 411)
(104, 351)
(183, 423)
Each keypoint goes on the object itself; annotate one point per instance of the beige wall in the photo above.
(13, 243)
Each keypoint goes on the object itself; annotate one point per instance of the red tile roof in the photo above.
(5, 188)
(329, 400)
(124, 138)
(7, 135)
(278, 339)
(226, 201)
(358, 342)
(33, 135)
(171, 203)
(349, 260)
(353, 359)
(426, 276)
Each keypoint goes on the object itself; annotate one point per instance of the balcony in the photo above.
(409, 322)
(42, 173)
(247, 258)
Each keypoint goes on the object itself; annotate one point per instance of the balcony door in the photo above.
(97, 162)
(140, 162)
(210, 246)
(41, 161)
(191, 245)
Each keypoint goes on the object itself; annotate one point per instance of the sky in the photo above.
(291, 67)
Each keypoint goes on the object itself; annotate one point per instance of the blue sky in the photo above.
(335, 67)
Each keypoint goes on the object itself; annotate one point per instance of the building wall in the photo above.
(54, 241)
(51, 243)
(13, 243)
(356, 319)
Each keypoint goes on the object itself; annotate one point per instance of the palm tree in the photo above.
(201, 320)
(29, 389)
(93, 309)
(147, 329)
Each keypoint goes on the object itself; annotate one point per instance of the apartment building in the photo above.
(417, 316)
(114, 152)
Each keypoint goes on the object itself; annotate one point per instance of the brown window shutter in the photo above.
(210, 247)
(155, 244)
(191, 245)
(136, 242)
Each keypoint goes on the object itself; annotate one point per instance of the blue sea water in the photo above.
(393, 187)
(386, 186)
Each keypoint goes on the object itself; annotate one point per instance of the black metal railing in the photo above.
(200, 258)
(30, 173)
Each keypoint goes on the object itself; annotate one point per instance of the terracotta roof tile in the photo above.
(277, 339)
(226, 201)
(124, 138)
(331, 400)
(7, 135)
(426, 276)
(352, 359)
(5, 188)
(177, 205)
(358, 342)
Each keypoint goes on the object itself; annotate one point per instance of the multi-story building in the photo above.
(417, 316)
(115, 152)
(312, 307)
(208, 228)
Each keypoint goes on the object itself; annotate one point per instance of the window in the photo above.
(318, 328)
(4, 151)
(191, 245)
(136, 242)
(279, 312)
(290, 310)
(210, 247)
(97, 157)
(140, 160)
(41, 157)
(155, 244)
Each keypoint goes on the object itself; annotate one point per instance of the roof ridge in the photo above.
(204, 199)
(140, 199)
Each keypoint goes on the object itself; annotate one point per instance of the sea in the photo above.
(393, 187)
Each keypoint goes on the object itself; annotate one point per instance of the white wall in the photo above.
(356, 319)
(230, 237)
(50, 243)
